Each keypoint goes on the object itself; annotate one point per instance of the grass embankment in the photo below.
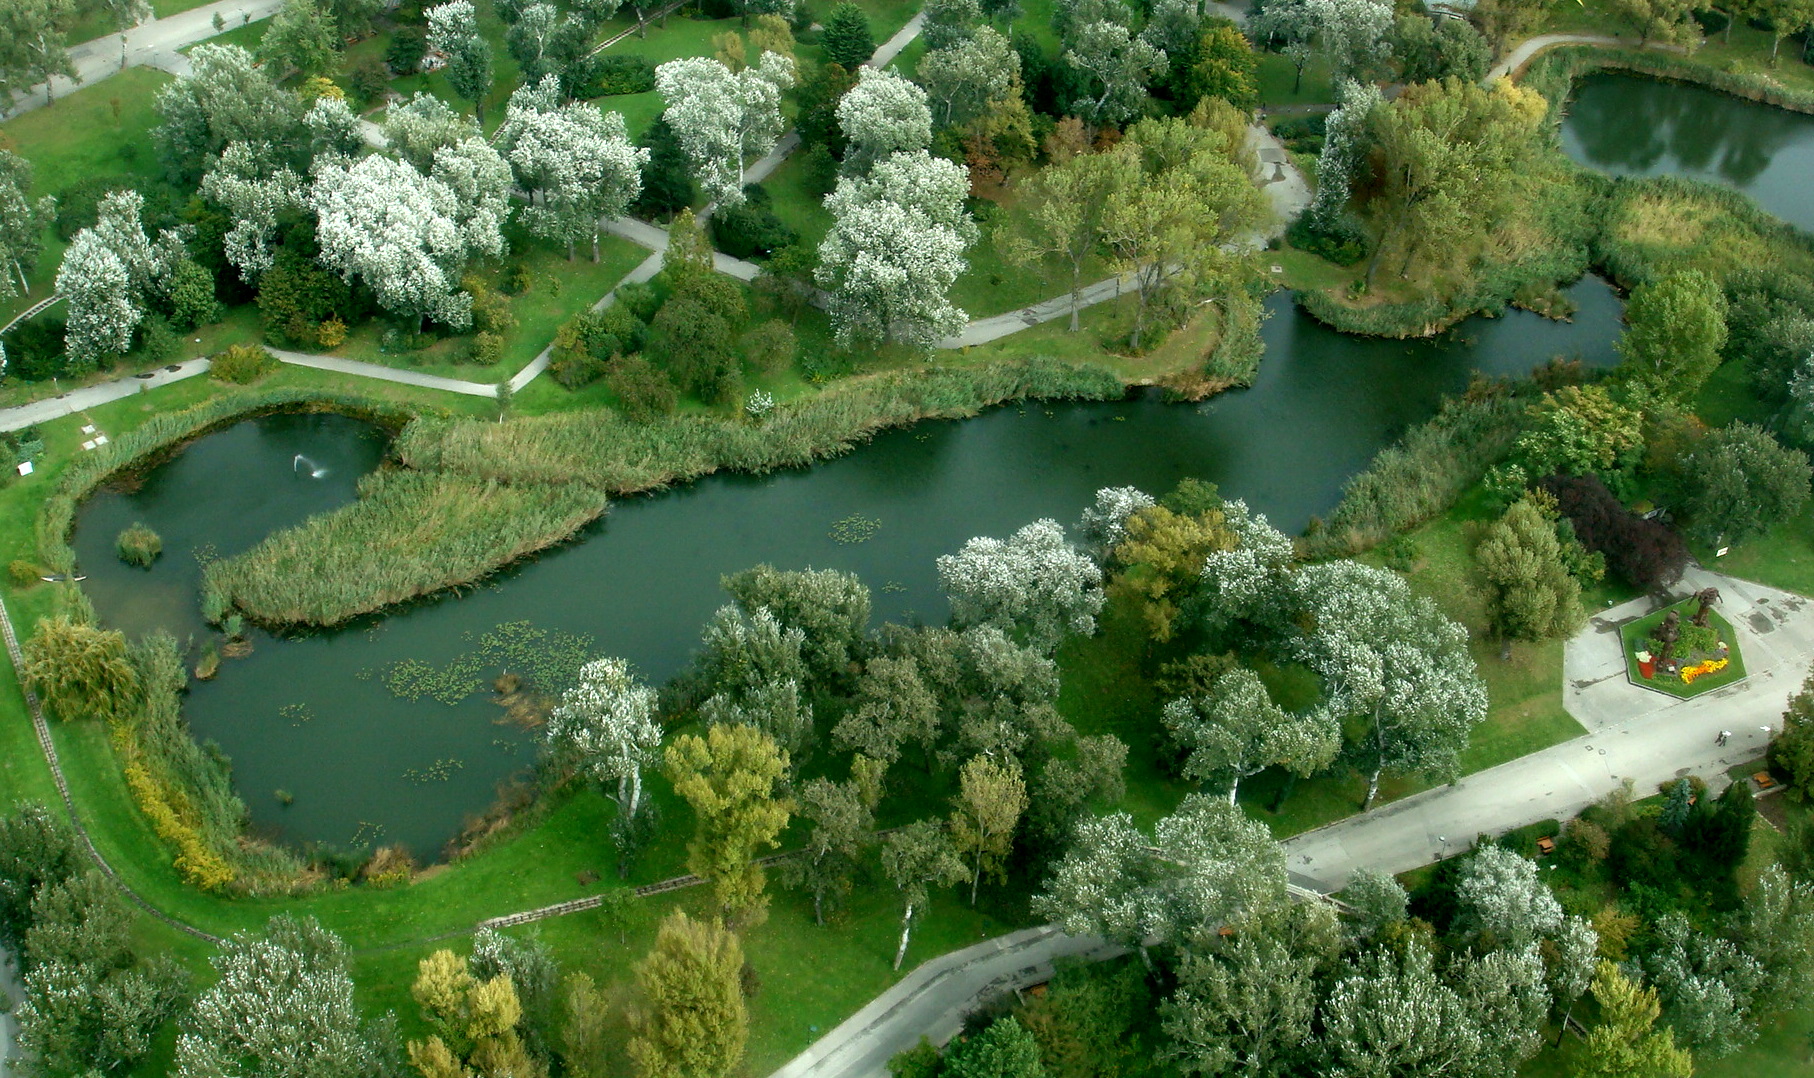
(307, 575)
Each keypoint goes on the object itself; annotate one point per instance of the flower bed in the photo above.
(1692, 670)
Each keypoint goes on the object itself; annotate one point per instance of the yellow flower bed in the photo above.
(1711, 666)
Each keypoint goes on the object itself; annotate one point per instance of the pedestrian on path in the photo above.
(1725, 735)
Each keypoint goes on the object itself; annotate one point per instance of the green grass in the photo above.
(1277, 76)
(1634, 633)
(163, 9)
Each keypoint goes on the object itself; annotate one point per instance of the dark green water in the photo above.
(644, 580)
(1631, 126)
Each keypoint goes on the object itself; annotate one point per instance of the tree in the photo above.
(1347, 136)
(606, 723)
(729, 778)
(1006, 1049)
(37, 850)
(1675, 329)
(1061, 216)
(1292, 26)
(893, 707)
(1204, 866)
(965, 80)
(1740, 482)
(225, 98)
(282, 1008)
(416, 128)
(895, 248)
(103, 309)
(577, 158)
(881, 115)
(1116, 68)
(691, 1021)
(949, 22)
(721, 118)
(586, 1035)
(1237, 731)
(1246, 1005)
(1352, 35)
(1501, 21)
(474, 1022)
(1441, 49)
(990, 800)
(846, 39)
(400, 231)
(1226, 67)
(1645, 552)
(843, 818)
(1033, 584)
(915, 859)
(1623, 1044)
(453, 28)
(1530, 593)
(1450, 154)
(1791, 750)
(1661, 20)
(1507, 997)
(1162, 555)
(354, 16)
(829, 608)
(534, 974)
(1104, 524)
(1776, 930)
(1393, 662)
(302, 35)
(22, 224)
(80, 670)
(1707, 986)
(1377, 900)
(1786, 18)
(1503, 900)
(667, 183)
(34, 46)
(333, 128)
(1189, 198)
(1389, 1013)
(258, 198)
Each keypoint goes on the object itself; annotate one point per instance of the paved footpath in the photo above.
(1514, 61)
(11, 995)
(78, 400)
(1633, 733)
(152, 44)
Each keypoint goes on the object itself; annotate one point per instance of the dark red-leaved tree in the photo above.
(1645, 552)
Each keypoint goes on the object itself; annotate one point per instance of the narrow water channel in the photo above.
(313, 716)
(1633, 126)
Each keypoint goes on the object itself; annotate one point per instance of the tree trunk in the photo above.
(1297, 82)
(1285, 791)
(1776, 43)
(1233, 787)
(569, 250)
(976, 878)
(595, 247)
(1372, 789)
(635, 790)
(1076, 293)
(906, 930)
(819, 910)
(1505, 650)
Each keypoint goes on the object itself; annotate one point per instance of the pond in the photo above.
(1633, 126)
(316, 717)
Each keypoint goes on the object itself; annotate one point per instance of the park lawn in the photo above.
(1306, 272)
(247, 37)
(560, 290)
(163, 9)
(1277, 76)
(1748, 53)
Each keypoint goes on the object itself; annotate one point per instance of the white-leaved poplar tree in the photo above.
(453, 30)
(1394, 662)
(111, 271)
(1033, 583)
(1236, 730)
(606, 724)
(1104, 524)
(255, 196)
(1389, 1012)
(1117, 67)
(721, 118)
(881, 115)
(895, 248)
(400, 231)
(1502, 897)
(22, 223)
(282, 1007)
(1353, 34)
(1243, 582)
(333, 128)
(964, 80)
(576, 161)
(1204, 866)
(1344, 148)
(480, 180)
(416, 128)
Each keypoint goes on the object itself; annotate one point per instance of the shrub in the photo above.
(370, 80)
(242, 364)
(296, 296)
(139, 545)
(23, 573)
(1341, 241)
(576, 369)
(639, 298)
(157, 341)
(79, 204)
(192, 301)
(491, 311)
(487, 348)
(643, 393)
(770, 347)
(331, 334)
(34, 350)
(614, 75)
(750, 230)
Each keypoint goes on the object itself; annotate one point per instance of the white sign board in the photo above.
(25, 467)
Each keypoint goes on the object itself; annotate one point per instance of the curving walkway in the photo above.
(1526, 50)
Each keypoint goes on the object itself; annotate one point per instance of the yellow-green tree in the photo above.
(475, 1023)
(989, 803)
(729, 778)
(1530, 594)
(1163, 552)
(1624, 1044)
(691, 1021)
(80, 669)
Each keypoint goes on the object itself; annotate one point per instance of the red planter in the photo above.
(1647, 667)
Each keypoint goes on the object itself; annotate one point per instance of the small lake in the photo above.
(313, 716)
(1633, 126)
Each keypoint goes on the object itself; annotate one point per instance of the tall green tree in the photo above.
(846, 39)
(843, 822)
(1791, 750)
(1739, 482)
(1059, 216)
(302, 35)
(990, 800)
(1530, 593)
(917, 858)
(33, 45)
(1675, 329)
(1004, 1050)
(729, 777)
(453, 29)
(1235, 730)
(690, 1021)
(37, 849)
